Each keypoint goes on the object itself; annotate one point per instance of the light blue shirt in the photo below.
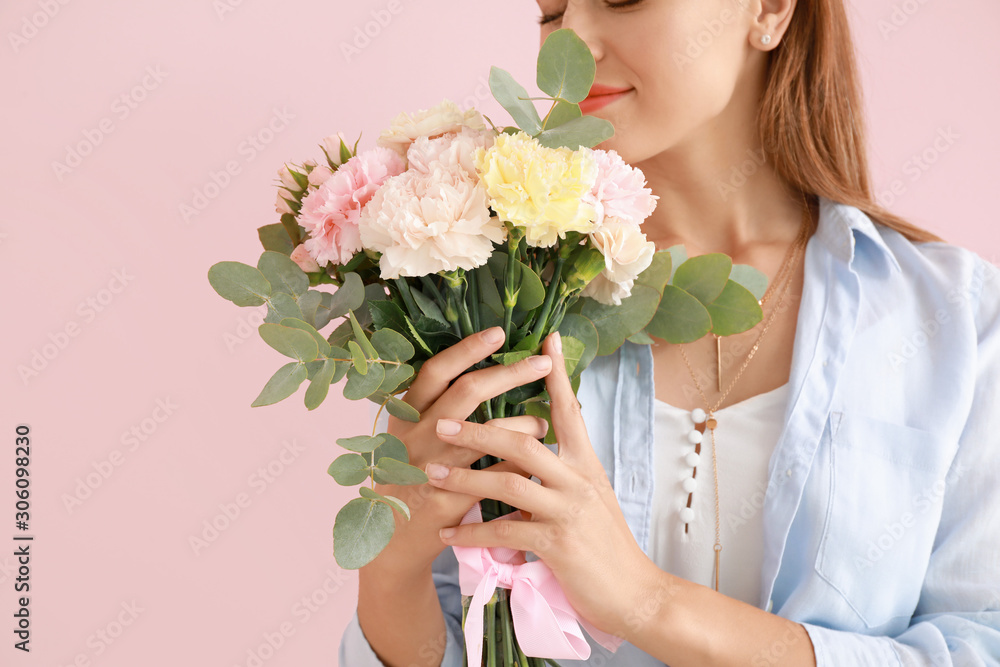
(882, 511)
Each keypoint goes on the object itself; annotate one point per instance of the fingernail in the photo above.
(557, 342)
(540, 362)
(436, 471)
(493, 335)
(448, 427)
(447, 532)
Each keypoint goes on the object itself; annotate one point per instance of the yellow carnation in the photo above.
(537, 188)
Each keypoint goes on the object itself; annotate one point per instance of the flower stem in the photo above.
(491, 626)
(509, 297)
(543, 317)
(473, 299)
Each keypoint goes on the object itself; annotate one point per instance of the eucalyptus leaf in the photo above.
(395, 375)
(577, 326)
(282, 384)
(616, 323)
(751, 278)
(680, 318)
(735, 310)
(400, 409)
(358, 357)
(704, 276)
(362, 443)
(489, 295)
(275, 237)
(361, 337)
(390, 345)
(678, 255)
(281, 305)
(513, 97)
(360, 386)
(283, 274)
(321, 343)
(349, 296)
(391, 501)
(390, 471)
(361, 531)
(572, 351)
(566, 66)
(240, 283)
(561, 113)
(289, 341)
(309, 304)
(658, 273)
(392, 447)
(319, 387)
(349, 469)
(586, 131)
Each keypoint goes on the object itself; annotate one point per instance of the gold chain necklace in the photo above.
(707, 416)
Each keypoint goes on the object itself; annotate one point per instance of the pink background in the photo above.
(158, 335)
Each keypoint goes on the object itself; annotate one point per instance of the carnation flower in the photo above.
(537, 188)
(619, 190)
(626, 252)
(451, 150)
(445, 117)
(330, 213)
(428, 222)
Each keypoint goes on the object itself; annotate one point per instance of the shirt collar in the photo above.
(840, 224)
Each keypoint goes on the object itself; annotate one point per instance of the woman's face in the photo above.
(679, 60)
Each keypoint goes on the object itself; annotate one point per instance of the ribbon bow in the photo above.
(545, 623)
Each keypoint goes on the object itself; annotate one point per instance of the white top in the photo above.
(745, 435)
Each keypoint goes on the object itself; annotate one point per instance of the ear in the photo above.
(772, 18)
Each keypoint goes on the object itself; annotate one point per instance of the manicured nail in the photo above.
(540, 362)
(557, 342)
(447, 532)
(493, 335)
(448, 427)
(436, 471)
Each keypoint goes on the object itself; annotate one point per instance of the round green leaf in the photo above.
(362, 529)
(587, 131)
(616, 323)
(751, 278)
(390, 471)
(349, 469)
(680, 318)
(513, 97)
(704, 276)
(735, 311)
(283, 274)
(358, 357)
(349, 296)
(391, 501)
(361, 443)
(240, 283)
(360, 386)
(566, 67)
(291, 342)
(400, 409)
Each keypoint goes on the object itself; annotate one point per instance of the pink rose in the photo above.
(330, 213)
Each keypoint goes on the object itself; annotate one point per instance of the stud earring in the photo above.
(765, 39)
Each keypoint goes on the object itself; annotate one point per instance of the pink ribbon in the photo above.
(545, 623)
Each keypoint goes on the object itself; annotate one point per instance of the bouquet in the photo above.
(447, 227)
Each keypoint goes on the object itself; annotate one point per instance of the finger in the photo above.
(521, 448)
(567, 417)
(536, 427)
(470, 390)
(437, 372)
(519, 535)
(507, 487)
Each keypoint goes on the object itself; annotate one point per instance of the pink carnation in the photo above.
(331, 212)
(620, 191)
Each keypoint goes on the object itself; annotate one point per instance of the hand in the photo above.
(415, 542)
(576, 525)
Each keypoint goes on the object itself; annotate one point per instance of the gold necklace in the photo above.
(707, 416)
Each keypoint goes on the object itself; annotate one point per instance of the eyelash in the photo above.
(549, 18)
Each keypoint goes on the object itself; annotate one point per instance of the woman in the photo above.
(866, 422)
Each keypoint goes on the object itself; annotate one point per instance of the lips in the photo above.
(601, 96)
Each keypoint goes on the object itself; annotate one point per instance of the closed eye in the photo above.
(549, 18)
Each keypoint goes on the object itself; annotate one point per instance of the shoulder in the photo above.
(962, 278)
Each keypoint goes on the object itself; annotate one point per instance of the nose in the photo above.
(581, 19)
